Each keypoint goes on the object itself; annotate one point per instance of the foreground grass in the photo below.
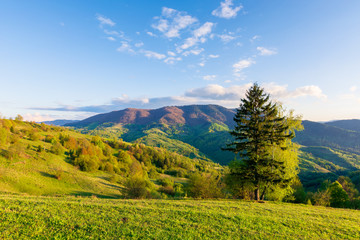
(28, 217)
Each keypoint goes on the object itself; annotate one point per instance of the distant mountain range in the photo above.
(199, 131)
(59, 122)
(193, 115)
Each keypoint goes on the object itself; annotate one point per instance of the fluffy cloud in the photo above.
(151, 34)
(171, 22)
(125, 47)
(193, 52)
(266, 52)
(37, 117)
(111, 38)
(209, 77)
(210, 94)
(105, 21)
(139, 44)
(199, 35)
(213, 56)
(226, 10)
(172, 60)
(281, 92)
(241, 65)
(151, 54)
(226, 38)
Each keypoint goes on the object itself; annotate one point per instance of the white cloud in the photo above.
(111, 38)
(266, 52)
(241, 65)
(139, 44)
(170, 53)
(280, 91)
(198, 36)
(151, 34)
(226, 38)
(37, 117)
(193, 51)
(217, 92)
(209, 77)
(255, 38)
(210, 94)
(105, 21)
(204, 30)
(213, 56)
(151, 54)
(225, 10)
(202, 64)
(189, 42)
(172, 60)
(172, 21)
(125, 47)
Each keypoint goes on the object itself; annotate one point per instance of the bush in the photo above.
(322, 198)
(57, 149)
(205, 185)
(87, 163)
(166, 182)
(138, 187)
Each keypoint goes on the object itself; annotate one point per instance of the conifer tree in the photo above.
(259, 126)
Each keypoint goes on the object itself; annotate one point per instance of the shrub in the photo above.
(138, 187)
(205, 185)
(87, 163)
(322, 198)
(57, 149)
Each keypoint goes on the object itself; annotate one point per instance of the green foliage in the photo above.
(205, 185)
(138, 187)
(57, 149)
(261, 135)
(322, 198)
(339, 197)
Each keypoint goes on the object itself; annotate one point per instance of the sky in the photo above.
(74, 59)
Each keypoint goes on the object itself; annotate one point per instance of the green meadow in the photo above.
(29, 217)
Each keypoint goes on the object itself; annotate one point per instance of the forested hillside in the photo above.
(200, 131)
(41, 159)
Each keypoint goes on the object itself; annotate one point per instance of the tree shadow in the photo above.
(96, 195)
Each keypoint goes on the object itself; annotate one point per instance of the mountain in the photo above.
(200, 131)
(351, 124)
(59, 122)
(193, 115)
(320, 134)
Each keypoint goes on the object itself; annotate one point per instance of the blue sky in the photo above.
(74, 59)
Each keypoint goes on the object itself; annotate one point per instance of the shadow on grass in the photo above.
(96, 195)
(45, 174)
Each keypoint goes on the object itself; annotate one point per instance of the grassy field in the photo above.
(25, 217)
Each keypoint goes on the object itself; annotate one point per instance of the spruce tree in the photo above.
(259, 127)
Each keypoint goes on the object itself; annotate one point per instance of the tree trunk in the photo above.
(257, 193)
(263, 194)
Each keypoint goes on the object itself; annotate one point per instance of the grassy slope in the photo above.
(36, 176)
(41, 217)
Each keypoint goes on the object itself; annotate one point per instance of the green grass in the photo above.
(28, 217)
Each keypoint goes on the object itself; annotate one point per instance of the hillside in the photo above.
(352, 124)
(46, 160)
(82, 218)
(199, 131)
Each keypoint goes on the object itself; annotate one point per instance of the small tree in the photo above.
(339, 197)
(259, 128)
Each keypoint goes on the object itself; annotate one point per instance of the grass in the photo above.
(29, 217)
